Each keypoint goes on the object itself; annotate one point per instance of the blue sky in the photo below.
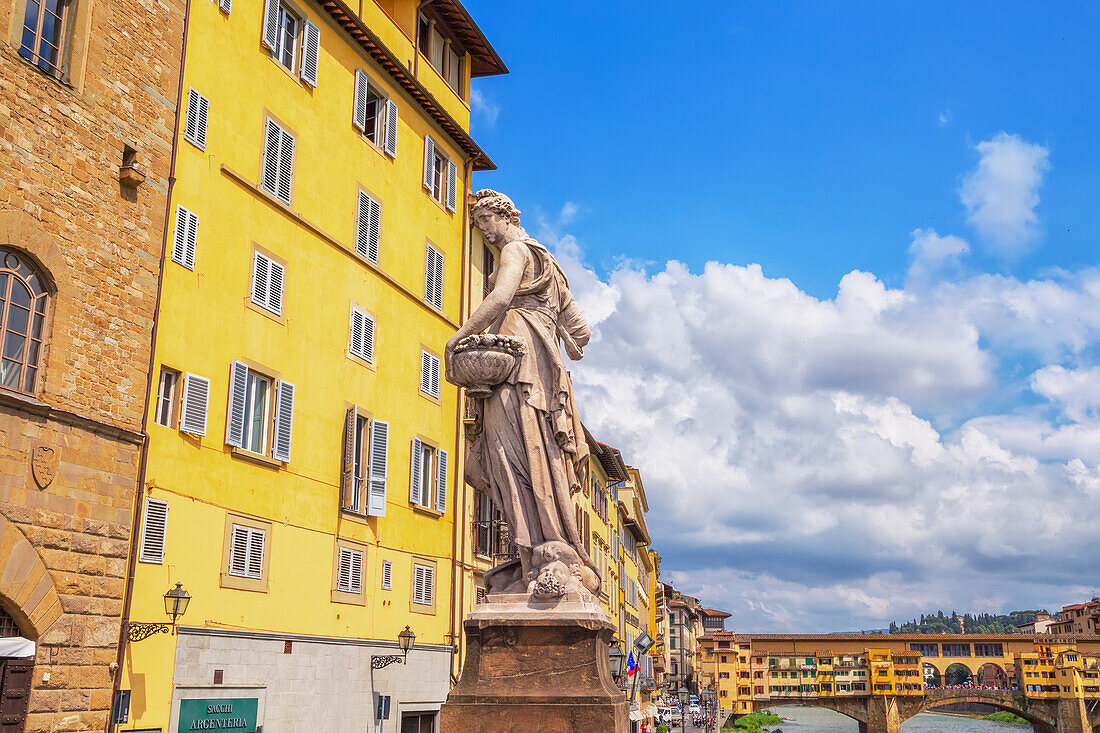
(924, 175)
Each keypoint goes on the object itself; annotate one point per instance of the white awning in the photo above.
(16, 646)
(636, 715)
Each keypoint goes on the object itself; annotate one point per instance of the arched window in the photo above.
(23, 301)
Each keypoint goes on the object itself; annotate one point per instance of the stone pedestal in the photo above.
(536, 666)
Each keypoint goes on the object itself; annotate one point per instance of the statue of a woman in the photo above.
(530, 453)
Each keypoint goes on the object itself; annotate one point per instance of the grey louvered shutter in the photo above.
(311, 52)
(437, 277)
(238, 551)
(193, 404)
(391, 128)
(256, 541)
(441, 481)
(284, 420)
(359, 107)
(349, 497)
(286, 165)
(434, 374)
(261, 279)
(429, 163)
(415, 488)
(452, 186)
(425, 372)
(362, 335)
(273, 136)
(226, 6)
(271, 23)
(379, 464)
(234, 420)
(185, 238)
(387, 575)
(275, 287)
(198, 112)
(368, 227)
(154, 526)
(349, 572)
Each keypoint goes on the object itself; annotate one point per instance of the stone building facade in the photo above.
(87, 112)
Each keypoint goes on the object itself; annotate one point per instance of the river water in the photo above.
(820, 720)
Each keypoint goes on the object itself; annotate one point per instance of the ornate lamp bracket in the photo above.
(381, 661)
(137, 631)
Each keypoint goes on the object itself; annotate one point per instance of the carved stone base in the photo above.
(536, 666)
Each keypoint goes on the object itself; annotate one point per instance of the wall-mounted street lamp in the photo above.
(618, 660)
(405, 640)
(175, 605)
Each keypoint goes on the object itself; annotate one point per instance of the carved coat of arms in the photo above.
(44, 460)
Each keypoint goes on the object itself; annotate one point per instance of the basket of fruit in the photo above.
(483, 361)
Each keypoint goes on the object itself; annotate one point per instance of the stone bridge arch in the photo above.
(27, 592)
(1041, 714)
(854, 707)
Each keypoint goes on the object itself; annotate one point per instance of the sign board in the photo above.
(120, 711)
(232, 714)
(382, 707)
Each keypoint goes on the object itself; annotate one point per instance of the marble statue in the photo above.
(529, 452)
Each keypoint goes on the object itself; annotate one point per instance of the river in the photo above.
(820, 720)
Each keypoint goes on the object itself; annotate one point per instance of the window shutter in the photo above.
(434, 374)
(255, 553)
(415, 479)
(356, 572)
(153, 529)
(437, 276)
(359, 108)
(275, 286)
(226, 6)
(379, 449)
(368, 227)
(238, 387)
(286, 165)
(387, 575)
(418, 584)
(441, 481)
(361, 342)
(267, 283)
(198, 111)
(185, 238)
(347, 469)
(238, 551)
(271, 23)
(349, 572)
(260, 284)
(311, 51)
(452, 185)
(391, 128)
(284, 418)
(194, 403)
(429, 162)
(273, 136)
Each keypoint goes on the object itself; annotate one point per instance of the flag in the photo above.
(631, 665)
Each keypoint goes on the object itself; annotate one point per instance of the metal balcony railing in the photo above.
(491, 539)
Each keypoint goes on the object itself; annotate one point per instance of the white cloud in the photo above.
(944, 118)
(1002, 192)
(826, 464)
(568, 213)
(932, 254)
(484, 106)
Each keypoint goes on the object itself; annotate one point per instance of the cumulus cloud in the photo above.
(827, 464)
(1002, 192)
(932, 254)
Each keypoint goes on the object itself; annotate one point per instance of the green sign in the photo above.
(235, 714)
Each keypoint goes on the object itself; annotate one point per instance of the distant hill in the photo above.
(981, 623)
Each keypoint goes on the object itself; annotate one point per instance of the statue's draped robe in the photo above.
(530, 453)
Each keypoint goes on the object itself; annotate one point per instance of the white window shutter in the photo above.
(359, 108)
(425, 372)
(379, 451)
(238, 551)
(185, 238)
(452, 186)
(260, 279)
(193, 404)
(356, 572)
(429, 586)
(256, 538)
(368, 227)
(271, 23)
(284, 420)
(273, 136)
(198, 112)
(434, 374)
(226, 6)
(429, 162)
(234, 421)
(437, 276)
(154, 526)
(391, 128)
(387, 575)
(275, 287)
(311, 52)
(441, 481)
(361, 342)
(286, 165)
(415, 488)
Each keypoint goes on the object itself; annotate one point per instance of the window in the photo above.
(278, 165)
(267, 283)
(261, 413)
(198, 111)
(361, 336)
(366, 448)
(23, 301)
(374, 114)
(387, 575)
(429, 374)
(287, 38)
(433, 277)
(440, 175)
(442, 52)
(418, 723)
(185, 237)
(423, 585)
(349, 571)
(488, 266)
(166, 396)
(368, 227)
(154, 524)
(45, 28)
(246, 553)
(428, 476)
(283, 30)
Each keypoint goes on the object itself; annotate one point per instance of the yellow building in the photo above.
(303, 445)
(1057, 669)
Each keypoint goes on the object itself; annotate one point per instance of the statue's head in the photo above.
(493, 213)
